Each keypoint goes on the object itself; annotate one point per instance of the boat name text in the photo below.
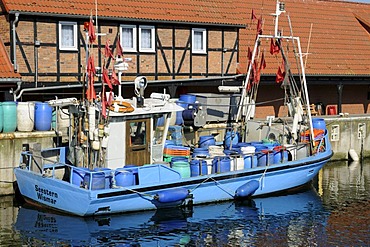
(46, 195)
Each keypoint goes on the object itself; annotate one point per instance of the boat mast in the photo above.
(246, 101)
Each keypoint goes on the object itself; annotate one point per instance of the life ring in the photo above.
(121, 106)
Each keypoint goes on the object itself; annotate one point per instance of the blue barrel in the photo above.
(1, 117)
(231, 139)
(43, 116)
(188, 115)
(160, 121)
(250, 161)
(179, 119)
(198, 167)
(134, 169)
(78, 175)
(318, 123)
(200, 152)
(108, 176)
(265, 156)
(179, 158)
(98, 180)
(280, 155)
(221, 164)
(206, 141)
(187, 98)
(124, 177)
(183, 168)
(9, 116)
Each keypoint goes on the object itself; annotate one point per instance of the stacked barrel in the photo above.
(25, 116)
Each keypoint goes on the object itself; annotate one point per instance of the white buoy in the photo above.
(353, 155)
(91, 115)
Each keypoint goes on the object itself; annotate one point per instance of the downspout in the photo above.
(14, 92)
(15, 22)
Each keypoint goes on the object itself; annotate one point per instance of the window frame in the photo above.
(204, 35)
(152, 31)
(75, 40)
(134, 34)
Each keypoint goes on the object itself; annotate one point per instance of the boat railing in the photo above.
(287, 153)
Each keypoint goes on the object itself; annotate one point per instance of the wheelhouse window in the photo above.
(68, 36)
(128, 38)
(199, 40)
(138, 133)
(147, 38)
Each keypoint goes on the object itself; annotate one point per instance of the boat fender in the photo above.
(353, 155)
(171, 195)
(247, 189)
(121, 106)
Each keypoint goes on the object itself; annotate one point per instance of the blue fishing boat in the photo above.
(119, 159)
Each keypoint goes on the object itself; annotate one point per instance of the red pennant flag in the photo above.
(107, 50)
(114, 79)
(110, 100)
(249, 54)
(91, 66)
(249, 86)
(103, 102)
(90, 93)
(259, 25)
(263, 62)
(92, 35)
(253, 17)
(256, 74)
(119, 48)
(280, 75)
(274, 48)
(106, 78)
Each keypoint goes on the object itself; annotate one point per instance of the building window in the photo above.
(335, 132)
(199, 40)
(68, 36)
(147, 38)
(128, 38)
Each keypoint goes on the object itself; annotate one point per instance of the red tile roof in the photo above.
(339, 44)
(340, 34)
(204, 11)
(6, 68)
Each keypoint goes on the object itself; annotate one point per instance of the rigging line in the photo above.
(308, 45)
(218, 183)
(295, 50)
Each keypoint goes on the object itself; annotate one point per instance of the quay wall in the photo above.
(11, 145)
(349, 132)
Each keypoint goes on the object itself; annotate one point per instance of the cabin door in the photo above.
(138, 141)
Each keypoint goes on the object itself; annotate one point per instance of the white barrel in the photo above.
(63, 119)
(25, 116)
(248, 149)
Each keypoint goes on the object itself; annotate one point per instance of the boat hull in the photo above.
(66, 197)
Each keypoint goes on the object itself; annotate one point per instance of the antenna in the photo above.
(280, 8)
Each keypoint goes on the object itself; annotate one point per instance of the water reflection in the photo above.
(247, 222)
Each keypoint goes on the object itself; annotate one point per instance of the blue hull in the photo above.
(66, 197)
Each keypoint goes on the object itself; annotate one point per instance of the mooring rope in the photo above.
(218, 183)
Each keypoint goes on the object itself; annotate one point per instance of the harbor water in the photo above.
(333, 211)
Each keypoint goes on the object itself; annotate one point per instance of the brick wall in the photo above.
(143, 63)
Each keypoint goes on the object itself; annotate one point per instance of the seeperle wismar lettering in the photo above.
(46, 195)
